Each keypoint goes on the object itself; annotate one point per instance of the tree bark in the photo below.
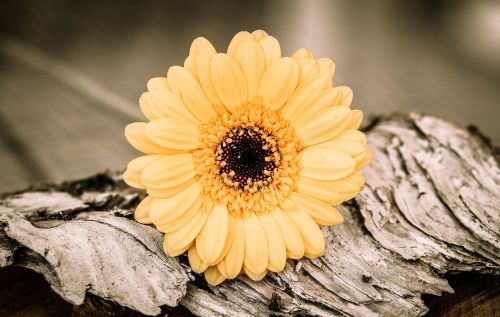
(430, 207)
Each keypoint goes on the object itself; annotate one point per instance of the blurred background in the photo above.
(71, 72)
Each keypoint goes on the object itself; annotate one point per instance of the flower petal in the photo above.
(346, 187)
(291, 235)
(168, 171)
(158, 83)
(355, 149)
(259, 35)
(365, 160)
(356, 119)
(279, 82)
(329, 66)
(141, 213)
(231, 265)
(203, 64)
(158, 104)
(195, 261)
(251, 58)
(178, 242)
(318, 190)
(303, 95)
(256, 247)
(201, 44)
(132, 175)
(271, 48)
(183, 218)
(325, 164)
(229, 81)
(213, 276)
(314, 242)
(275, 242)
(253, 276)
(212, 238)
(352, 135)
(173, 133)
(236, 41)
(187, 86)
(165, 210)
(136, 135)
(309, 68)
(338, 96)
(169, 192)
(229, 239)
(302, 53)
(327, 124)
(322, 213)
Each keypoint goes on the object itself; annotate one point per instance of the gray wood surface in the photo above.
(430, 206)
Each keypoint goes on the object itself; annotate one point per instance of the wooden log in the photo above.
(430, 207)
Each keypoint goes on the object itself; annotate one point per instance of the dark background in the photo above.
(71, 72)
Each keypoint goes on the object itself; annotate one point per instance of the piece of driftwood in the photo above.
(431, 206)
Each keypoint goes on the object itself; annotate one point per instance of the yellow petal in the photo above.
(169, 192)
(201, 44)
(325, 163)
(173, 133)
(291, 235)
(229, 239)
(183, 218)
(314, 242)
(165, 210)
(251, 58)
(189, 64)
(279, 82)
(141, 213)
(271, 48)
(195, 261)
(158, 83)
(136, 136)
(351, 135)
(168, 171)
(259, 35)
(203, 64)
(306, 92)
(236, 41)
(355, 150)
(338, 96)
(348, 186)
(160, 104)
(326, 125)
(212, 238)
(231, 265)
(256, 247)
(318, 190)
(177, 242)
(213, 276)
(229, 81)
(328, 65)
(275, 242)
(356, 119)
(322, 213)
(187, 86)
(132, 175)
(253, 276)
(309, 68)
(302, 54)
(365, 160)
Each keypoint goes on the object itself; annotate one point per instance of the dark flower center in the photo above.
(247, 155)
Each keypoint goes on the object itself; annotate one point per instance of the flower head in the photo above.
(246, 153)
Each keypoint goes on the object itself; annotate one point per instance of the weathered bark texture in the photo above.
(431, 205)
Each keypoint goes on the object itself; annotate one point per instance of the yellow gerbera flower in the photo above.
(246, 153)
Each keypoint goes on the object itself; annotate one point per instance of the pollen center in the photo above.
(247, 159)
